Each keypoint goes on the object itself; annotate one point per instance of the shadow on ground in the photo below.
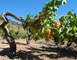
(61, 52)
(23, 55)
(28, 55)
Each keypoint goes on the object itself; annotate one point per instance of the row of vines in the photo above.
(16, 30)
(46, 26)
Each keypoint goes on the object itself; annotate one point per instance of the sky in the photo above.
(24, 7)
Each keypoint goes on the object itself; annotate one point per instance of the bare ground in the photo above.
(35, 51)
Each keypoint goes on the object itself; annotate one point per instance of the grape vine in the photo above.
(45, 20)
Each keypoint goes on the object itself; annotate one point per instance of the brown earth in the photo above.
(39, 50)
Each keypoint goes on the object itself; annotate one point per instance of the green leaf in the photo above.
(43, 30)
(65, 30)
(74, 29)
(48, 26)
(70, 34)
(55, 30)
(64, 2)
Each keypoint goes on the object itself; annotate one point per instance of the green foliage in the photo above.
(15, 29)
(45, 19)
(69, 26)
(1, 33)
(1, 17)
(17, 34)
